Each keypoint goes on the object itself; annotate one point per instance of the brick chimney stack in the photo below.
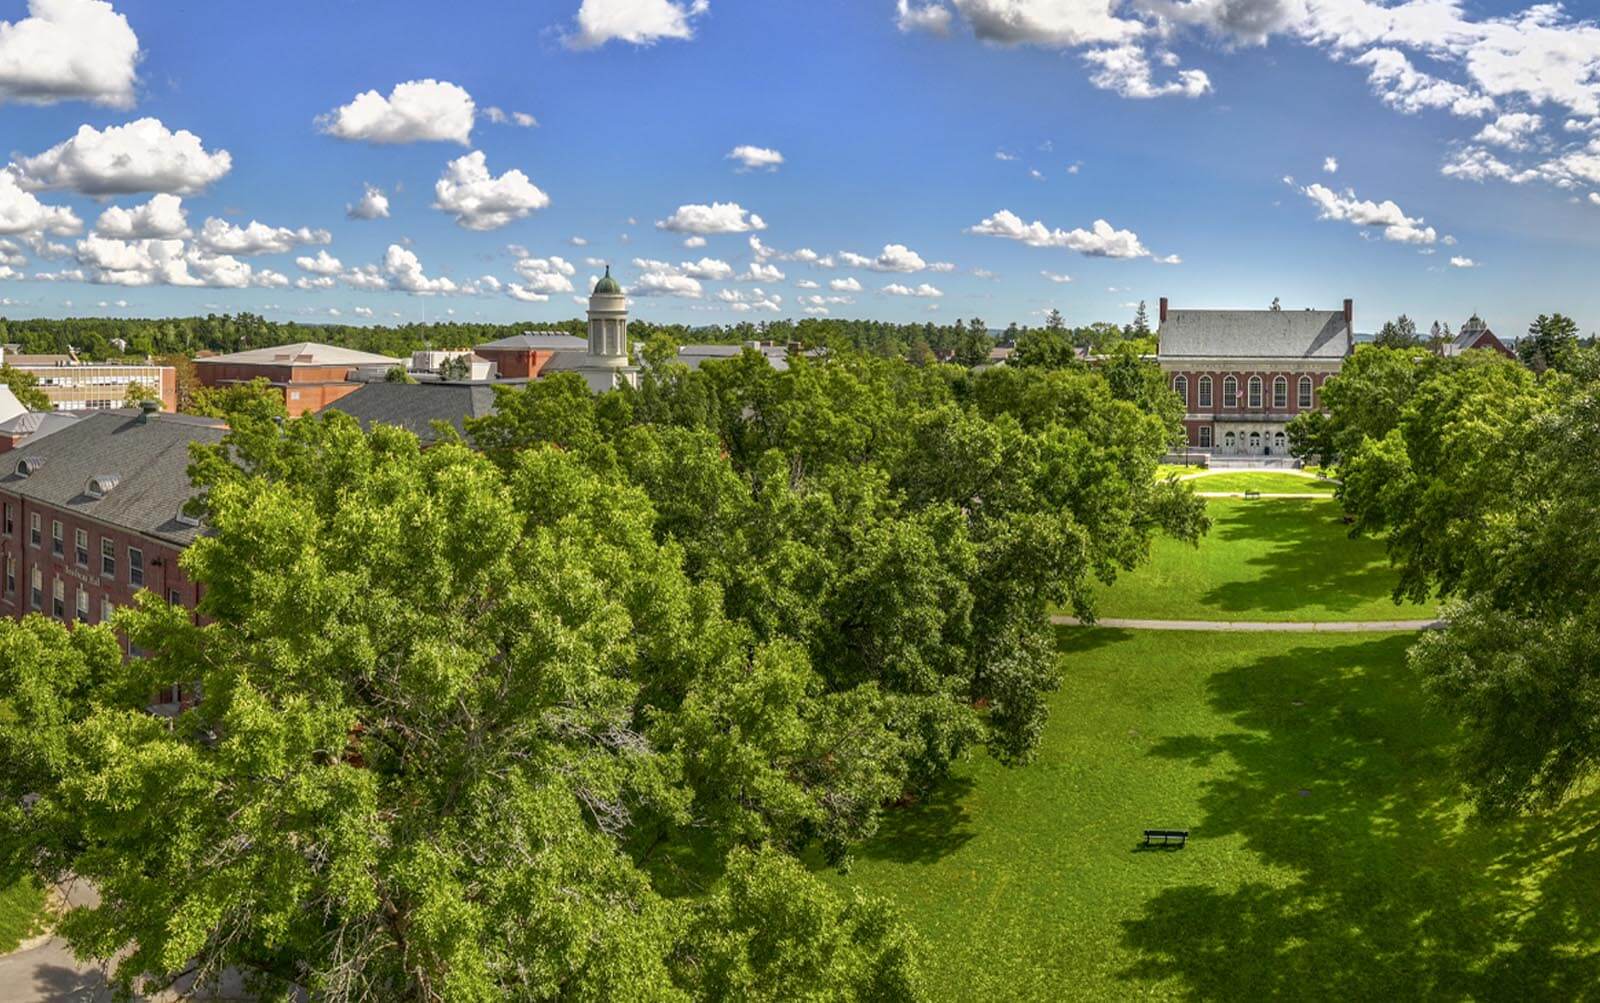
(1350, 313)
(1163, 309)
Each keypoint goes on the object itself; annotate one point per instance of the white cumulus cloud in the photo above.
(718, 217)
(480, 201)
(755, 158)
(638, 22)
(1346, 207)
(1125, 70)
(1102, 240)
(162, 217)
(373, 204)
(923, 291)
(21, 212)
(219, 236)
(405, 273)
(415, 111)
(142, 156)
(69, 50)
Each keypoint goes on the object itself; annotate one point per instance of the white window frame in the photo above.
(1203, 392)
(1253, 393)
(1306, 390)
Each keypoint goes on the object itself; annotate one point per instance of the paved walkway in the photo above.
(1260, 626)
(1263, 494)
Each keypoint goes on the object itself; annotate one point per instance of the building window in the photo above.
(33, 529)
(58, 539)
(80, 547)
(1280, 393)
(11, 574)
(83, 604)
(108, 557)
(1255, 392)
(1305, 393)
(36, 582)
(1228, 440)
(1205, 436)
(1180, 386)
(174, 597)
(106, 609)
(58, 599)
(1230, 392)
(1205, 391)
(1255, 440)
(1278, 440)
(10, 523)
(136, 567)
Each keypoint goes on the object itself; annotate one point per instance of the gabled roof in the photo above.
(37, 424)
(416, 406)
(777, 356)
(1271, 334)
(301, 353)
(150, 460)
(540, 341)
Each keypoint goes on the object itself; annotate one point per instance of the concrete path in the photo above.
(1262, 494)
(1260, 626)
(1221, 471)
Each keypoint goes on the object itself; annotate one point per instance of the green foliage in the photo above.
(1363, 402)
(26, 388)
(1398, 333)
(398, 374)
(1551, 343)
(1046, 348)
(457, 367)
(138, 393)
(236, 403)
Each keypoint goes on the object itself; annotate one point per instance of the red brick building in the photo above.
(525, 356)
(311, 375)
(1475, 334)
(1245, 374)
(92, 513)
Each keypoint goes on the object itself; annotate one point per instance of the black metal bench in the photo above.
(1168, 837)
(1251, 495)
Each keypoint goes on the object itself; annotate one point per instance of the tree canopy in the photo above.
(552, 711)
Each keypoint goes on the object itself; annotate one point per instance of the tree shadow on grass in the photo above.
(1310, 561)
(1082, 640)
(923, 833)
(1340, 781)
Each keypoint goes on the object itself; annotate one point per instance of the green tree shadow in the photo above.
(1340, 780)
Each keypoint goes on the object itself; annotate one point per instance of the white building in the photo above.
(607, 366)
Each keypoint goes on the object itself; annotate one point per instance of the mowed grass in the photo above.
(1268, 559)
(1331, 858)
(21, 913)
(1266, 481)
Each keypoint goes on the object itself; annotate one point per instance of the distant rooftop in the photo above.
(304, 353)
(541, 341)
(1283, 334)
(416, 406)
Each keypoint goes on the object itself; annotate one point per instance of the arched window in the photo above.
(1228, 440)
(1205, 391)
(1278, 440)
(1180, 386)
(1230, 392)
(1305, 393)
(1280, 394)
(1255, 440)
(1255, 391)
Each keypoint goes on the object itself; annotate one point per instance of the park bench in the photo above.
(1252, 494)
(1167, 836)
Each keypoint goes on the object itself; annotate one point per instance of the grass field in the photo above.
(1267, 481)
(1272, 559)
(21, 908)
(1331, 857)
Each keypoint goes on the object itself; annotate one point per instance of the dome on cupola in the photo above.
(607, 285)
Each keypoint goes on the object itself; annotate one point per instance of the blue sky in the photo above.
(920, 143)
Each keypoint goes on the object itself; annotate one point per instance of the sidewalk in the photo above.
(1260, 626)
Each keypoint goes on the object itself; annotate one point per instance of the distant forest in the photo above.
(96, 338)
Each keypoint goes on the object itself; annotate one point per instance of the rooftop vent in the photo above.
(101, 485)
(185, 519)
(29, 465)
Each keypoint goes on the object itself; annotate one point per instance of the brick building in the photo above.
(1475, 335)
(525, 356)
(311, 375)
(72, 385)
(1245, 374)
(93, 513)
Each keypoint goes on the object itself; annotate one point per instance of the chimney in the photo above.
(146, 409)
(1163, 309)
(1350, 314)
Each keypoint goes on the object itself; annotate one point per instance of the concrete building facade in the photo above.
(72, 385)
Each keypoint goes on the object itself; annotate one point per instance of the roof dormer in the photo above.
(101, 485)
(29, 465)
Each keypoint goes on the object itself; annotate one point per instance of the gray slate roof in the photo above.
(543, 341)
(415, 406)
(777, 356)
(1255, 334)
(35, 425)
(150, 460)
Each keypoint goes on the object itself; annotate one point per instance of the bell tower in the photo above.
(608, 323)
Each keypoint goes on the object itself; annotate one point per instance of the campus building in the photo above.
(310, 375)
(1475, 335)
(93, 512)
(72, 385)
(1245, 374)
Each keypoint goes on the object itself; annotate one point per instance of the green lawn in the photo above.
(1176, 469)
(21, 908)
(1267, 481)
(1271, 559)
(1331, 858)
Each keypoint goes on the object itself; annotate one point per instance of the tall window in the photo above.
(80, 547)
(83, 604)
(36, 583)
(33, 529)
(106, 609)
(1204, 391)
(1230, 392)
(1180, 386)
(136, 567)
(58, 539)
(1255, 391)
(108, 557)
(1280, 393)
(1305, 393)
(1205, 436)
(10, 523)
(11, 574)
(58, 599)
